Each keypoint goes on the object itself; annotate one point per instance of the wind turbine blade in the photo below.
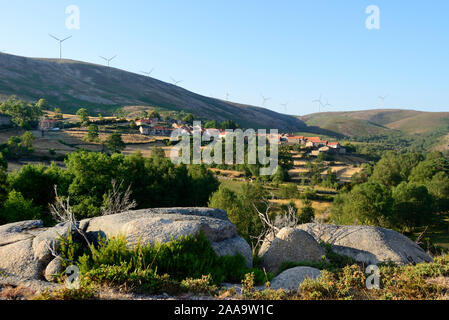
(103, 58)
(66, 39)
(113, 58)
(54, 37)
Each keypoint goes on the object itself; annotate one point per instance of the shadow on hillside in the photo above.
(321, 131)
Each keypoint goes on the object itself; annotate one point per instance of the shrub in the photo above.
(154, 267)
(307, 213)
(289, 191)
(17, 208)
(83, 293)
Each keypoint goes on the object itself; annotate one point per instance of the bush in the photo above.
(367, 204)
(307, 213)
(154, 266)
(17, 208)
(289, 191)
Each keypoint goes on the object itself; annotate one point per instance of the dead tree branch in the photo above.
(117, 201)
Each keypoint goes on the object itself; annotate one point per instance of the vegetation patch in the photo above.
(188, 264)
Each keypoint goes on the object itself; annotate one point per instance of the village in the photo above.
(157, 127)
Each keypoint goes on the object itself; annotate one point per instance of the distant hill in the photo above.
(377, 122)
(72, 84)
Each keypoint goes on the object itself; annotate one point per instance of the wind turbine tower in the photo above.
(383, 101)
(265, 99)
(327, 104)
(318, 101)
(60, 44)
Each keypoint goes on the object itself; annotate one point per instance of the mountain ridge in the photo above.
(378, 121)
(71, 84)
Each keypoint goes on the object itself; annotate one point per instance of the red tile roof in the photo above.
(313, 139)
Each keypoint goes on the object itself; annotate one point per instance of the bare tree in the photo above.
(117, 201)
(62, 212)
(271, 227)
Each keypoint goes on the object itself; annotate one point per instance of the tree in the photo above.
(157, 152)
(366, 204)
(3, 162)
(439, 188)
(427, 169)
(330, 181)
(115, 143)
(289, 191)
(211, 124)
(36, 183)
(203, 184)
(307, 213)
(92, 133)
(154, 115)
(285, 157)
(229, 124)
(18, 146)
(279, 176)
(17, 208)
(242, 208)
(3, 186)
(227, 200)
(413, 205)
(43, 104)
(84, 116)
(144, 114)
(23, 114)
(315, 169)
(188, 118)
(27, 140)
(394, 168)
(58, 114)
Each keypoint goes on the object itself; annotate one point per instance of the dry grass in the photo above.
(227, 173)
(319, 206)
(16, 293)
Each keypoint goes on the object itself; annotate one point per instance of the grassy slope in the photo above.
(373, 122)
(71, 84)
(344, 125)
(422, 123)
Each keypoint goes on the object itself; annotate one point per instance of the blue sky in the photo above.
(290, 51)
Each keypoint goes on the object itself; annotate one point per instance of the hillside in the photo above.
(72, 84)
(377, 122)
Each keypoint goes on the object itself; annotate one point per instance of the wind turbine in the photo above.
(227, 96)
(285, 106)
(148, 73)
(108, 60)
(175, 82)
(383, 101)
(265, 99)
(327, 104)
(319, 103)
(60, 43)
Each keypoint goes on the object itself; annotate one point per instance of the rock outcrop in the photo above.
(367, 244)
(290, 279)
(26, 247)
(161, 225)
(292, 245)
